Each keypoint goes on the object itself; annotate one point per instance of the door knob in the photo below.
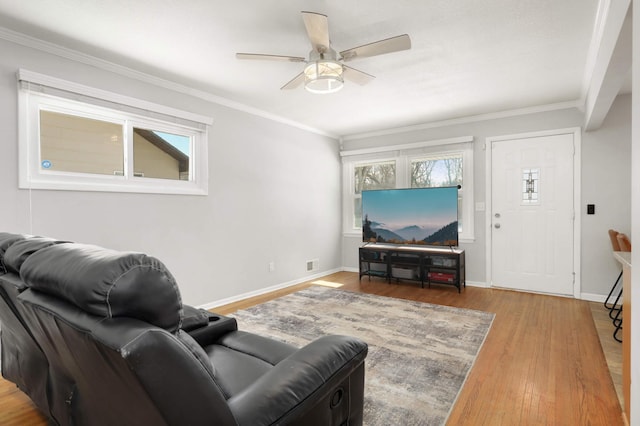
(497, 226)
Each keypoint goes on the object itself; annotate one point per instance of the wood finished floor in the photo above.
(612, 349)
(542, 362)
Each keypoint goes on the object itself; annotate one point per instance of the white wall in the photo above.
(608, 179)
(634, 297)
(275, 191)
(606, 182)
(274, 194)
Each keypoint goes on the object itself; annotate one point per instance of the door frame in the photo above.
(577, 212)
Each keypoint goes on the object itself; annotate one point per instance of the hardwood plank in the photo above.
(16, 408)
(612, 349)
(542, 362)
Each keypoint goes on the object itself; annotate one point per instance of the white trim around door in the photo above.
(576, 132)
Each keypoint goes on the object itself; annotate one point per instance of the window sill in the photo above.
(141, 185)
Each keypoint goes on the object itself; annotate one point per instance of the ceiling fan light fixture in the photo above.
(323, 76)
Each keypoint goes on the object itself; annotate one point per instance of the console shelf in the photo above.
(431, 265)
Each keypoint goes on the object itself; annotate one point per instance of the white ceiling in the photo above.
(468, 57)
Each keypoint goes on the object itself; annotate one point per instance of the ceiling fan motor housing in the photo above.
(323, 73)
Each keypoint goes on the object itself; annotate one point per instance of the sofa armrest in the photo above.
(194, 318)
(299, 381)
(212, 329)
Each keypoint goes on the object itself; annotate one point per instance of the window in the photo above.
(441, 170)
(438, 170)
(74, 144)
(77, 138)
(423, 165)
(380, 175)
(530, 191)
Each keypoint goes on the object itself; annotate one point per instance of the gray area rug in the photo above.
(419, 354)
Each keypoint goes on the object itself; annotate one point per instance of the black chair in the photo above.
(23, 361)
(111, 326)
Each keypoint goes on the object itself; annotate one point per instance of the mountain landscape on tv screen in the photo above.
(413, 234)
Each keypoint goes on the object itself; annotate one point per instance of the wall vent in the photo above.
(313, 265)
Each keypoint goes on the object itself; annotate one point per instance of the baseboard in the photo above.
(265, 290)
(584, 296)
(591, 297)
(476, 284)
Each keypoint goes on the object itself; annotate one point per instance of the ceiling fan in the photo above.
(325, 70)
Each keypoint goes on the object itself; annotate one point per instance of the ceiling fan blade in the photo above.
(317, 26)
(294, 83)
(389, 45)
(356, 76)
(260, 56)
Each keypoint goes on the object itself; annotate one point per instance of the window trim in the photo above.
(402, 155)
(134, 112)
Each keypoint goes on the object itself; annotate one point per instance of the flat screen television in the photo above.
(421, 216)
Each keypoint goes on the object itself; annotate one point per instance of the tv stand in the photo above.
(431, 265)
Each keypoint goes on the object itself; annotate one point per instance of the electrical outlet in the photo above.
(272, 266)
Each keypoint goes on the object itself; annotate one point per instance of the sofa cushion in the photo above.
(240, 358)
(6, 240)
(20, 250)
(107, 283)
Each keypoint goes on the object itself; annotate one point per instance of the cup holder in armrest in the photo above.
(218, 325)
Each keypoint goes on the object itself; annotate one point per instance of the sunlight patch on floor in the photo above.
(327, 283)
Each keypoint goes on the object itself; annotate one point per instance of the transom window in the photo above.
(81, 142)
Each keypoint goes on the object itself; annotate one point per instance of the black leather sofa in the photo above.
(101, 337)
(23, 361)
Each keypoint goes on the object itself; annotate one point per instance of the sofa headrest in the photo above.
(22, 248)
(107, 283)
(6, 239)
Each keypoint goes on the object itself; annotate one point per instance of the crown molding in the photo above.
(74, 55)
(578, 104)
(51, 48)
(406, 146)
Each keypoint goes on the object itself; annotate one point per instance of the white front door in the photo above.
(532, 214)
